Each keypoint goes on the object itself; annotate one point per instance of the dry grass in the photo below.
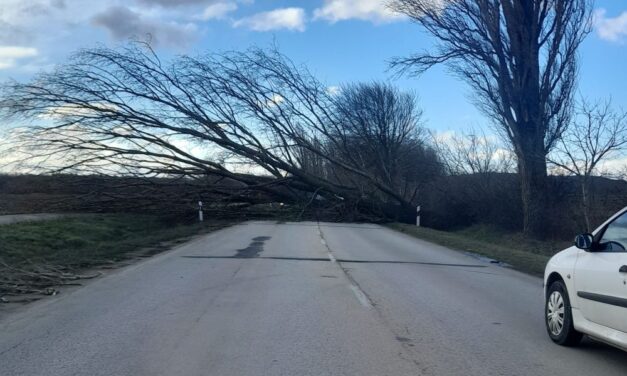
(527, 255)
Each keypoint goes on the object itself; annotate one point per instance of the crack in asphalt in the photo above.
(364, 227)
(347, 261)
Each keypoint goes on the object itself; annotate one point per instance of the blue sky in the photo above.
(339, 40)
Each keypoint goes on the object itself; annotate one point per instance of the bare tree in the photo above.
(520, 59)
(125, 111)
(597, 133)
(382, 133)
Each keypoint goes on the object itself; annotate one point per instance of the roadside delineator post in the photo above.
(418, 215)
(200, 215)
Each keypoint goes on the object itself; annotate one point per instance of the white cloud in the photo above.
(173, 3)
(276, 100)
(608, 28)
(446, 137)
(367, 10)
(283, 18)
(20, 20)
(218, 11)
(616, 165)
(123, 23)
(57, 27)
(334, 90)
(9, 55)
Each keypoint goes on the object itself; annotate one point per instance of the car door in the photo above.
(601, 277)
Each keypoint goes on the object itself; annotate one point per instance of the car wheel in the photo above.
(558, 316)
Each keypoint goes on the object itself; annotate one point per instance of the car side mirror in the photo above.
(584, 241)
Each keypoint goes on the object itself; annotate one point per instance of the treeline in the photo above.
(455, 202)
(67, 193)
(449, 202)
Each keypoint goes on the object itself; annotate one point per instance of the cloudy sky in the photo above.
(340, 40)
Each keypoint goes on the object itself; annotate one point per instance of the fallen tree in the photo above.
(237, 115)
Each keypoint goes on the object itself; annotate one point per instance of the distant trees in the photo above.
(597, 133)
(478, 186)
(473, 153)
(125, 111)
(520, 58)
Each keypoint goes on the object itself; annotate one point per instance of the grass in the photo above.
(87, 240)
(36, 256)
(527, 255)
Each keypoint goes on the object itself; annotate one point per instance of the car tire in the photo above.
(558, 316)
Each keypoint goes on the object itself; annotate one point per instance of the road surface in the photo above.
(263, 298)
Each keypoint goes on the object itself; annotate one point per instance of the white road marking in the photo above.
(360, 295)
(363, 299)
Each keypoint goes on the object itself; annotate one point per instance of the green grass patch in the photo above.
(527, 255)
(35, 257)
(89, 239)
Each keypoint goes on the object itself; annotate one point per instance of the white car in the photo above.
(585, 287)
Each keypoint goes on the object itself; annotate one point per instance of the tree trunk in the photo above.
(533, 175)
(585, 200)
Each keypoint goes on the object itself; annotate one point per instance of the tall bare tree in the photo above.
(126, 111)
(598, 132)
(520, 59)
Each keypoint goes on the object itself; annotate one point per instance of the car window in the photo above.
(615, 236)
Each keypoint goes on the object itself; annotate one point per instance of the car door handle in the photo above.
(623, 269)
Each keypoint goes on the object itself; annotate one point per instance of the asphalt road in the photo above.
(298, 299)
